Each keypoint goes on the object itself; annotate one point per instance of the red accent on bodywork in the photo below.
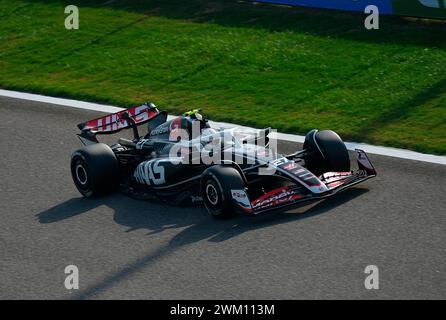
(113, 123)
(289, 166)
(275, 197)
(300, 173)
(175, 129)
(335, 179)
(334, 184)
(247, 210)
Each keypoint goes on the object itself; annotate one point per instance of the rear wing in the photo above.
(113, 123)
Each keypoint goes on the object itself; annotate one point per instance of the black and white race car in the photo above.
(183, 160)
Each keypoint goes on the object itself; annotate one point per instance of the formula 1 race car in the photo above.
(183, 160)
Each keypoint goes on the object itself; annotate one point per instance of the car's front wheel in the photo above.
(326, 152)
(216, 185)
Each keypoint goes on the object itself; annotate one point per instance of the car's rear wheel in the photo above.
(216, 185)
(326, 152)
(95, 170)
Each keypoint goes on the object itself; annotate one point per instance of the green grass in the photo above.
(292, 69)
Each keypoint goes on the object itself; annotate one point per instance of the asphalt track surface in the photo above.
(128, 249)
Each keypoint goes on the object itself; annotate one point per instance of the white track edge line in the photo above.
(384, 151)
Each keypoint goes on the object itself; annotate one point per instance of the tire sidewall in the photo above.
(101, 167)
(85, 189)
(215, 209)
(223, 179)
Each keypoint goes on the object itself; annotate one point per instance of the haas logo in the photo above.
(433, 3)
(150, 173)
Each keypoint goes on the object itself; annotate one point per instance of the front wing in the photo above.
(294, 195)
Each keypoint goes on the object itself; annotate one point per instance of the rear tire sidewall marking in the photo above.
(81, 173)
(84, 188)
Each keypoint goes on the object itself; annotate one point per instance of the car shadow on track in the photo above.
(248, 223)
(197, 225)
(157, 217)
